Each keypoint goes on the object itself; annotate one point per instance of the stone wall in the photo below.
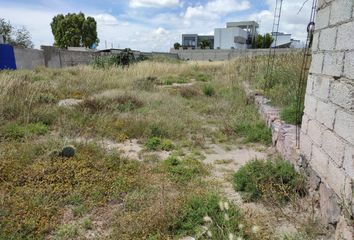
(27, 58)
(327, 132)
(222, 55)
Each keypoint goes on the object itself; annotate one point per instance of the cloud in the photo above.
(290, 22)
(154, 3)
(215, 9)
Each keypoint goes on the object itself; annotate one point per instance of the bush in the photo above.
(208, 210)
(124, 58)
(183, 171)
(208, 90)
(202, 77)
(254, 132)
(155, 143)
(123, 103)
(269, 180)
(16, 131)
(288, 114)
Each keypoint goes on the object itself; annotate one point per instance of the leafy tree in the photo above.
(176, 45)
(17, 37)
(263, 41)
(204, 44)
(74, 30)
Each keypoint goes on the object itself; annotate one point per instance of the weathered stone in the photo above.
(333, 63)
(345, 36)
(330, 210)
(321, 87)
(348, 163)
(313, 180)
(341, 11)
(333, 146)
(336, 179)
(342, 94)
(319, 161)
(67, 152)
(304, 123)
(309, 85)
(325, 114)
(69, 102)
(344, 125)
(317, 63)
(344, 231)
(305, 146)
(315, 132)
(315, 41)
(349, 65)
(310, 106)
(327, 39)
(322, 18)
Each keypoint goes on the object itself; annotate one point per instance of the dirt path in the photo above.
(224, 162)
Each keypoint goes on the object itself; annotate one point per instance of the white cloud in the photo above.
(137, 30)
(214, 10)
(290, 22)
(153, 3)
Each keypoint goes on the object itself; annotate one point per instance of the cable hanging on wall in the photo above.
(271, 54)
(304, 71)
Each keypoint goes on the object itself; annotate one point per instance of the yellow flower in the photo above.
(207, 219)
(255, 229)
(231, 236)
(226, 205)
(221, 206)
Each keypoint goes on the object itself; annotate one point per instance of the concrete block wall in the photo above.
(327, 132)
(223, 55)
(27, 58)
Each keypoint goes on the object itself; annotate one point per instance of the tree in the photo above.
(263, 41)
(17, 37)
(176, 45)
(74, 30)
(204, 44)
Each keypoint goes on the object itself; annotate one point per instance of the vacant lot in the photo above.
(147, 139)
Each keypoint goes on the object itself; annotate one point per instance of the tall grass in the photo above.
(284, 79)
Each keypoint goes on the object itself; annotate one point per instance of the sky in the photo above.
(153, 25)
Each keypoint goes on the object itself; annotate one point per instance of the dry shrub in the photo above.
(121, 103)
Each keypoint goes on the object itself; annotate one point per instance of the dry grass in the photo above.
(119, 104)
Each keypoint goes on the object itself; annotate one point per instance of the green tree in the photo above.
(204, 44)
(17, 37)
(263, 41)
(74, 30)
(176, 45)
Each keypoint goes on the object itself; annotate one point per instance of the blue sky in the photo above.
(153, 25)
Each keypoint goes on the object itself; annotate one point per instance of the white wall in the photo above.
(224, 38)
(282, 39)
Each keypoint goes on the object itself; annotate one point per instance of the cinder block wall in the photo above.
(327, 133)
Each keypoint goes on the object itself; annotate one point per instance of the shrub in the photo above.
(17, 131)
(289, 115)
(202, 77)
(124, 58)
(155, 143)
(208, 210)
(183, 171)
(254, 132)
(269, 180)
(208, 90)
(188, 92)
(123, 103)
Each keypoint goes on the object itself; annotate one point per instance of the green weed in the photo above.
(259, 180)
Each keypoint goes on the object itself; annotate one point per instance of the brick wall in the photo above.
(327, 133)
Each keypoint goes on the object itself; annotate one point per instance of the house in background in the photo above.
(192, 41)
(236, 35)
